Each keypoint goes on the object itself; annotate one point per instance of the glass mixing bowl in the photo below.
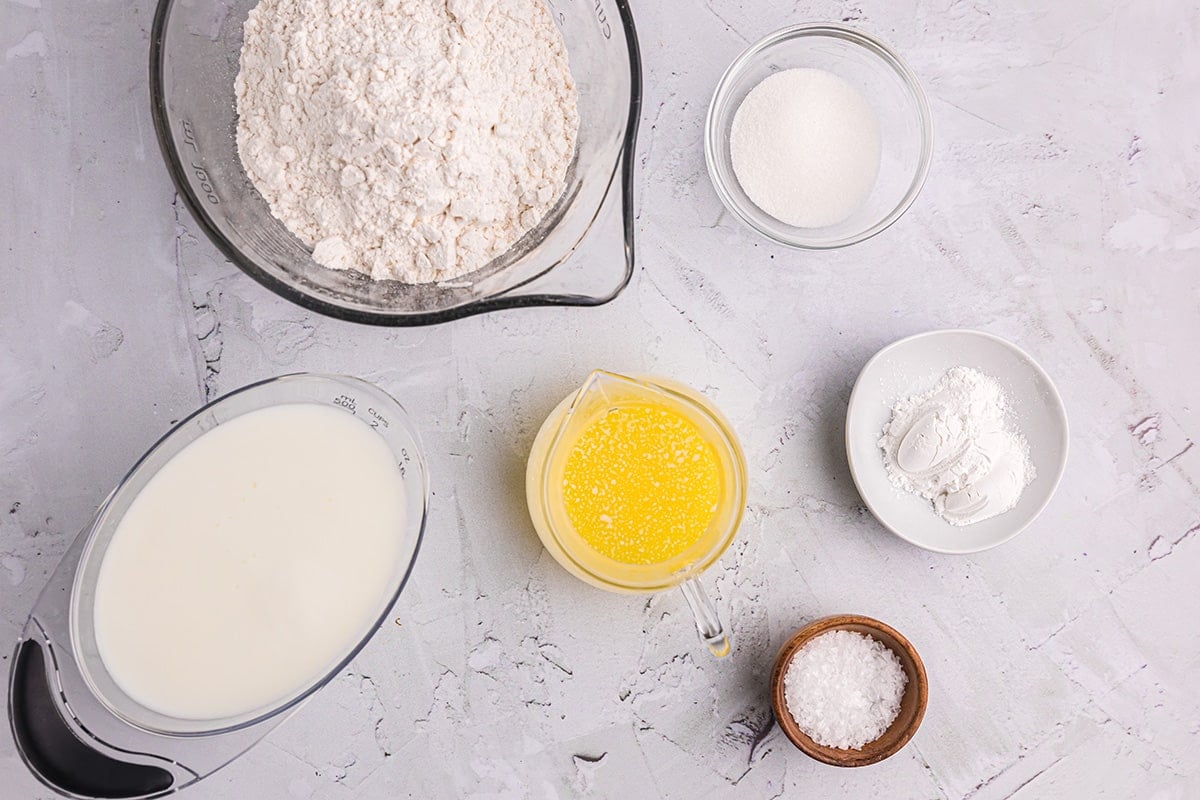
(194, 57)
(885, 81)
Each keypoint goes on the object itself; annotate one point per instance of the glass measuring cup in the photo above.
(194, 58)
(603, 392)
(363, 401)
(74, 727)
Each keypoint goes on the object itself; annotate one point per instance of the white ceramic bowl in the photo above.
(914, 365)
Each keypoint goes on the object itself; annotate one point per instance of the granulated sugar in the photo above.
(844, 689)
(805, 147)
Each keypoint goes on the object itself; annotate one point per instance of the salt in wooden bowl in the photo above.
(912, 704)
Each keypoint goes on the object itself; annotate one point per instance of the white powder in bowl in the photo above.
(406, 139)
(954, 445)
(844, 689)
(805, 147)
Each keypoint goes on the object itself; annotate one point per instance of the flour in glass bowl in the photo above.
(406, 139)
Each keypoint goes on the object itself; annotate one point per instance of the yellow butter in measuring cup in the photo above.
(638, 485)
(641, 484)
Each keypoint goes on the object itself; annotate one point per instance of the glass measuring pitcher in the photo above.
(194, 58)
(707, 442)
(73, 724)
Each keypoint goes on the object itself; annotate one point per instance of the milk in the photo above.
(251, 563)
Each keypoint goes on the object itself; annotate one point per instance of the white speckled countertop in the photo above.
(1062, 212)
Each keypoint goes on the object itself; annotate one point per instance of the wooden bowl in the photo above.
(912, 705)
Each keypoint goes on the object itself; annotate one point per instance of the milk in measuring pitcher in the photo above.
(251, 563)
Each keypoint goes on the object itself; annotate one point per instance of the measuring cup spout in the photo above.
(601, 390)
(606, 388)
(708, 624)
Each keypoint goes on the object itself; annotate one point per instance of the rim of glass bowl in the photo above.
(509, 298)
(268, 393)
(713, 123)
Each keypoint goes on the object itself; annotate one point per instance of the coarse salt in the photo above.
(844, 689)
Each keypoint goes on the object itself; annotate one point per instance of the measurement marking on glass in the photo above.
(206, 185)
(602, 18)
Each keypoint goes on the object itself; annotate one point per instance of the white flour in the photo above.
(407, 139)
(954, 446)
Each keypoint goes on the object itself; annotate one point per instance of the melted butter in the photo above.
(641, 484)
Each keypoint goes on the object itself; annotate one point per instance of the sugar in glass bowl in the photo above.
(880, 76)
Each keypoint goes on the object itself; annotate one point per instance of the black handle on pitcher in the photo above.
(55, 754)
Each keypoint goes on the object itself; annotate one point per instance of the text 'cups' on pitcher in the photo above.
(638, 485)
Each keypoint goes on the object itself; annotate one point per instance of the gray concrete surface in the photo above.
(1062, 212)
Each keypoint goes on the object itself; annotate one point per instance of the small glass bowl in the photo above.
(887, 84)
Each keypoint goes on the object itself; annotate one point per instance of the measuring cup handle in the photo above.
(708, 624)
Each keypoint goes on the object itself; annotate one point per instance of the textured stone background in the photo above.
(1062, 212)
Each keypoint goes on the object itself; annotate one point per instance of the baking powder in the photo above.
(954, 446)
